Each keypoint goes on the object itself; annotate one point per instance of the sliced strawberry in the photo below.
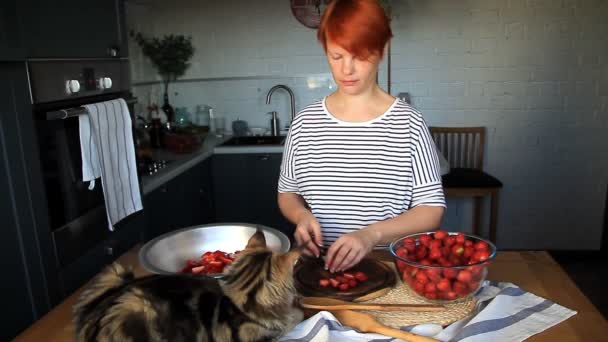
(343, 287)
(324, 282)
(341, 279)
(352, 283)
(348, 276)
(360, 276)
(199, 269)
(333, 282)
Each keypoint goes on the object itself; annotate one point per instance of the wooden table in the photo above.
(536, 272)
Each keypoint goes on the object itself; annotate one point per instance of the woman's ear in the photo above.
(257, 240)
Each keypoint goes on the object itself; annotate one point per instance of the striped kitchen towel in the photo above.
(504, 312)
(107, 150)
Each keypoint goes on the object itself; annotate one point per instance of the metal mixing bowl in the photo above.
(167, 254)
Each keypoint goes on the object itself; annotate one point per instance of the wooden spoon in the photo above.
(329, 304)
(368, 324)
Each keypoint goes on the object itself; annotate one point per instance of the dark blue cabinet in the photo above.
(11, 43)
(73, 28)
(184, 201)
(25, 255)
(245, 189)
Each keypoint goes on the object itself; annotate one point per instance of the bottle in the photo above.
(274, 124)
(202, 115)
(211, 121)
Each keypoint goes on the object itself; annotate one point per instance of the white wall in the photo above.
(535, 73)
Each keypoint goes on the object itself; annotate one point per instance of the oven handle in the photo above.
(71, 112)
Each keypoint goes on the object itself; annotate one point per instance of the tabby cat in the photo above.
(255, 301)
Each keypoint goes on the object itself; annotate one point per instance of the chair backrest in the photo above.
(461, 146)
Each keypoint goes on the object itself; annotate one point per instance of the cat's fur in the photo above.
(255, 301)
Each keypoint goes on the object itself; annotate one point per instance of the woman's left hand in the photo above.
(350, 248)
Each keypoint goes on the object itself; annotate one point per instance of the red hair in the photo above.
(361, 27)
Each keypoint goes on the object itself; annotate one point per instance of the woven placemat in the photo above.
(402, 294)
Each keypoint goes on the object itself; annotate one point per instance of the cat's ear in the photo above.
(257, 240)
(290, 258)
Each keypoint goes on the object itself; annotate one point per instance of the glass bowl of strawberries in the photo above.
(443, 266)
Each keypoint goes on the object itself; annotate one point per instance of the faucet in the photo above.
(291, 98)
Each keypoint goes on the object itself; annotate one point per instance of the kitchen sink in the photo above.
(254, 141)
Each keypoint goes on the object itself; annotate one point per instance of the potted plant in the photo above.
(170, 55)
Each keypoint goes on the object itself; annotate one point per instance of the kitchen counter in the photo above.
(181, 162)
(536, 272)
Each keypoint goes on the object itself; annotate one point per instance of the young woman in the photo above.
(359, 167)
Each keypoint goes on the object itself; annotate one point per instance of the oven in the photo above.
(59, 89)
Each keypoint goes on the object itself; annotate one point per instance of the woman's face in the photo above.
(353, 76)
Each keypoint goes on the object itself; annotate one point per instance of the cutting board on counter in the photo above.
(309, 271)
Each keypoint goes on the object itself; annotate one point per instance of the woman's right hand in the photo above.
(308, 233)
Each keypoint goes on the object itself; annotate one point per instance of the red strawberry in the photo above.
(418, 287)
(343, 287)
(449, 241)
(444, 285)
(430, 295)
(425, 262)
(434, 274)
(482, 255)
(401, 265)
(333, 282)
(424, 239)
(445, 251)
(324, 282)
(473, 285)
(460, 287)
(341, 279)
(460, 238)
(410, 246)
(430, 287)
(457, 249)
(476, 272)
(468, 252)
(435, 244)
(352, 283)
(450, 273)
(422, 277)
(440, 234)
(435, 253)
(360, 276)
(409, 240)
(421, 251)
(455, 260)
(464, 276)
(198, 269)
(450, 295)
(407, 278)
(348, 275)
(481, 245)
(402, 253)
(468, 243)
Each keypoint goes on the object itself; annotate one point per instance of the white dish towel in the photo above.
(504, 312)
(106, 145)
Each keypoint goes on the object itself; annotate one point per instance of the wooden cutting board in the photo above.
(308, 271)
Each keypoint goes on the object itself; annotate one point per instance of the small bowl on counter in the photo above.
(183, 250)
(443, 267)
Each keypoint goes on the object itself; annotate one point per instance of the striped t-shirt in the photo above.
(352, 174)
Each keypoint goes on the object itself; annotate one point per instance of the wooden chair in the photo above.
(463, 148)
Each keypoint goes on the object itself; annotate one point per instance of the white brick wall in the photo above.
(534, 72)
